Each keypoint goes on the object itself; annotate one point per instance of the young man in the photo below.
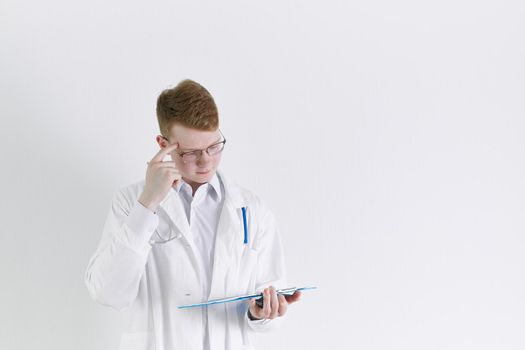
(185, 235)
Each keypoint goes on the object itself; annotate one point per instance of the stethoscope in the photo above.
(157, 239)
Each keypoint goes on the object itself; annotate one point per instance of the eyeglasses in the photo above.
(192, 155)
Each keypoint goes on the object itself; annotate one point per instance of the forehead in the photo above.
(192, 138)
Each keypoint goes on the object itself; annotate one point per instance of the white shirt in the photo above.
(203, 211)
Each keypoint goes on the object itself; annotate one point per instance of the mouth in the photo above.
(203, 172)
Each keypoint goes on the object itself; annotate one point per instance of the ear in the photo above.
(162, 141)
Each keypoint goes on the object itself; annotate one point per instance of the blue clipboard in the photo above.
(286, 291)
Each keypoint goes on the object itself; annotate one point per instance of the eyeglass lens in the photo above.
(212, 150)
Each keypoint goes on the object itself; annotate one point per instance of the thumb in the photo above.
(253, 310)
(252, 306)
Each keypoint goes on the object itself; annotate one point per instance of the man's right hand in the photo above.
(161, 176)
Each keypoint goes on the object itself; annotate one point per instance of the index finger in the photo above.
(164, 151)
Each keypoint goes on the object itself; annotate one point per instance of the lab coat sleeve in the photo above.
(114, 271)
(270, 265)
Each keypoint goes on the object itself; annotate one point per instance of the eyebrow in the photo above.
(198, 149)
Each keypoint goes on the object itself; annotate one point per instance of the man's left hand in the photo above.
(273, 305)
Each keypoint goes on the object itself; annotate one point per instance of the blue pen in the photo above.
(245, 225)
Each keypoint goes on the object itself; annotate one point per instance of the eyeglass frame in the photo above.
(181, 154)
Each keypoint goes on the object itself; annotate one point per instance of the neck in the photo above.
(194, 185)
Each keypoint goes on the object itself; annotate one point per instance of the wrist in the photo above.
(149, 204)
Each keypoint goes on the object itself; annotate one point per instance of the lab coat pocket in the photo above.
(136, 341)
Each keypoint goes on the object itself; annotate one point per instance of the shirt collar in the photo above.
(214, 184)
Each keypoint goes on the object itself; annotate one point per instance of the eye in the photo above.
(189, 154)
(215, 147)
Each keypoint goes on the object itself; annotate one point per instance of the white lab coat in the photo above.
(154, 279)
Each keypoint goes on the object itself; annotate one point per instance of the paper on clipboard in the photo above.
(286, 291)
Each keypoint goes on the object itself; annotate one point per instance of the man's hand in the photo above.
(273, 305)
(160, 178)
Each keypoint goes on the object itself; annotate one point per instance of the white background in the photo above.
(387, 137)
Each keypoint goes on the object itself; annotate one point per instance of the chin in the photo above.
(202, 178)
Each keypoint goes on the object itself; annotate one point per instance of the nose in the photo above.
(204, 158)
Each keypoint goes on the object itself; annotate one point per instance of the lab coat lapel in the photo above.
(228, 240)
(174, 209)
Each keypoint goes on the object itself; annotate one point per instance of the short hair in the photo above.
(188, 104)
